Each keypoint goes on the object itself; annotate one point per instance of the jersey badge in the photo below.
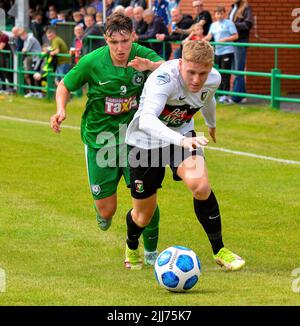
(138, 78)
(204, 94)
(163, 78)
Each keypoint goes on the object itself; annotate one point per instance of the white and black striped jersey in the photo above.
(167, 108)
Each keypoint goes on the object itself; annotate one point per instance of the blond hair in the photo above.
(198, 52)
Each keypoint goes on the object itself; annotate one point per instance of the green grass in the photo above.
(54, 254)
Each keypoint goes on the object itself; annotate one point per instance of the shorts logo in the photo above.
(96, 189)
(138, 78)
(139, 186)
(115, 106)
(163, 78)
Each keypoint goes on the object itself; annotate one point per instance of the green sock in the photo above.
(150, 233)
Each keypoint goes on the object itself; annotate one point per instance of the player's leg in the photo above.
(144, 184)
(103, 184)
(105, 210)
(150, 239)
(193, 172)
(151, 231)
(137, 219)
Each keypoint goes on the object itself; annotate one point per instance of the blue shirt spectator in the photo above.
(161, 9)
(221, 29)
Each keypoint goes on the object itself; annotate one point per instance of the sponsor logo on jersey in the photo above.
(117, 106)
(176, 116)
(163, 78)
(96, 189)
(138, 78)
(139, 186)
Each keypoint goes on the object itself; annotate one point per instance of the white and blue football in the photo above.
(177, 269)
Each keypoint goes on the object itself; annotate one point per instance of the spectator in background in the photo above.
(120, 9)
(37, 27)
(16, 42)
(155, 25)
(99, 19)
(128, 11)
(31, 44)
(181, 21)
(223, 30)
(138, 3)
(97, 4)
(78, 18)
(91, 29)
(5, 60)
(46, 64)
(52, 14)
(202, 15)
(58, 46)
(139, 25)
(76, 46)
(173, 4)
(91, 11)
(61, 18)
(83, 11)
(197, 33)
(110, 4)
(161, 9)
(241, 16)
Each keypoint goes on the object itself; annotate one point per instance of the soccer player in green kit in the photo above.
(115, 75)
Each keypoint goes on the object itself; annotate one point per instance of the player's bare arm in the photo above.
(212, 133)
(143, 64)
(62, 96)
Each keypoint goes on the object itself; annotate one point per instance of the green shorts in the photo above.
(105, 171)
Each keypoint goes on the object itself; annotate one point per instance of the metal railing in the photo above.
(275, 74)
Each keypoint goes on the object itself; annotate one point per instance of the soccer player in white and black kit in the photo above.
(162, 132)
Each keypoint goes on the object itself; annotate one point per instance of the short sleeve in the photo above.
(147, 53)
(78, 75)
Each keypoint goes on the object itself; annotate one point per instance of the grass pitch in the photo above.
(54, 254)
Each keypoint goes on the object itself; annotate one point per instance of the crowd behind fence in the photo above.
(48, 89)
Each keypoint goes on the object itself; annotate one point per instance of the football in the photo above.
(177, 269)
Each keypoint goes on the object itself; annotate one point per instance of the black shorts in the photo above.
(147, 167)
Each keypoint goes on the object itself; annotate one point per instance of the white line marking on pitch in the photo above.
(262, 157)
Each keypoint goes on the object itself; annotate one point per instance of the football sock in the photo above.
(133, 232)
(150, 234)
(208, 214)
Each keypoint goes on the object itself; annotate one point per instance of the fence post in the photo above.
(275, 88)
(50, 85)
(20, 73)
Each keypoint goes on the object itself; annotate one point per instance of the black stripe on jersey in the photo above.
(177, 115)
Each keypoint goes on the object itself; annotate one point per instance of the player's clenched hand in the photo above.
(56, 121)
(140, 64)
(192, 143)
(212, 133)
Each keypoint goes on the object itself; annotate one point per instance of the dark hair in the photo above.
(118, 22)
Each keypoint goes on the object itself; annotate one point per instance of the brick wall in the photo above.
(273, 25)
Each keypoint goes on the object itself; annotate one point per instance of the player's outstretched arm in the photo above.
(62, 96)
(143, 64)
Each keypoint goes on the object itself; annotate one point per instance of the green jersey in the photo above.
(113, 93)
